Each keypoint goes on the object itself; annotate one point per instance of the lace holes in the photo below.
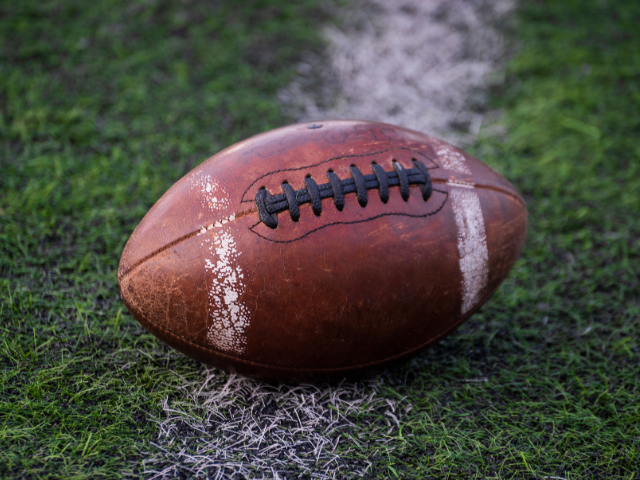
(285, 182)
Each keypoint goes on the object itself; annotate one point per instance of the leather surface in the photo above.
(332, 293)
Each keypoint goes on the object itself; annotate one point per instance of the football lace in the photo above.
(270, 205)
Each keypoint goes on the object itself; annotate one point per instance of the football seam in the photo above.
(329, 160)
(177, 241)
(254, 210)
(425, 215)
(208, 350)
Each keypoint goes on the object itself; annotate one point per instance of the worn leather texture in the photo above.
(329, 294)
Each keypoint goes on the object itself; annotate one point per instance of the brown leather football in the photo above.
(322, 249)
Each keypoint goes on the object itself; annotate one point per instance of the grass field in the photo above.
(103, 105)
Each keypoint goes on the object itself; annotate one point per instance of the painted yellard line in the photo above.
(228, 315)
(472, 238)
(472, 245)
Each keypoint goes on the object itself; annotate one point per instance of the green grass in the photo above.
(105, 104)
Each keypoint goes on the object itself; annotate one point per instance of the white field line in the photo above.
(421, 64)
(228, 425)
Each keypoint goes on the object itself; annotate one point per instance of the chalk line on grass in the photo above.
(424, 65)
(229, 425)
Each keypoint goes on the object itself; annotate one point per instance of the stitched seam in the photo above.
(329, 160)
(178, 240)
(355, 221)
(485, 187)
(270, 205)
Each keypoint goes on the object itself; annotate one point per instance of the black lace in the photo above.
(270, 205)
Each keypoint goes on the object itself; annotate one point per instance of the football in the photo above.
(322, 249)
